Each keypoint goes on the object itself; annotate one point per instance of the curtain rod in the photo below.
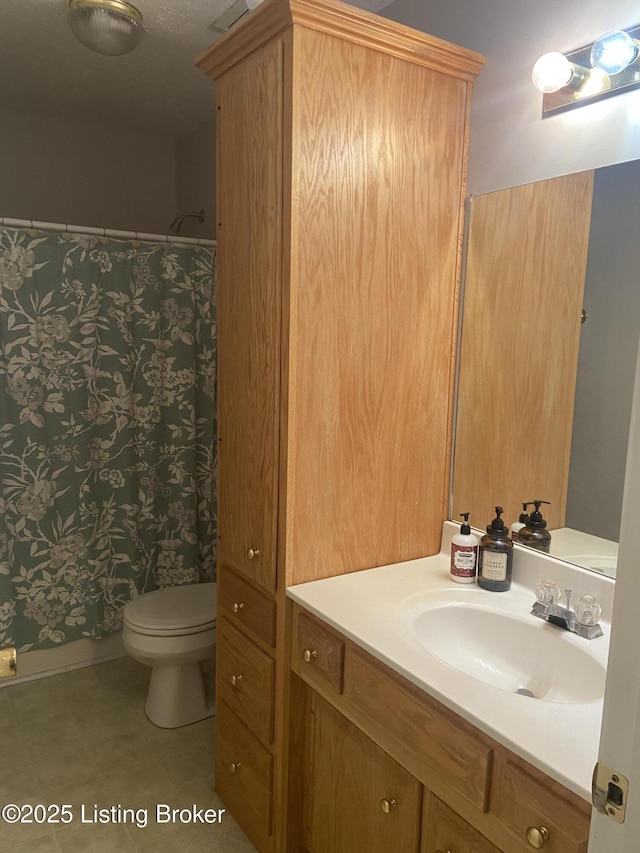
(103, 232)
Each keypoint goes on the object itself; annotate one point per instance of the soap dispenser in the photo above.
(517, 526)
(535, 533)
(495, 560)
(464, 553)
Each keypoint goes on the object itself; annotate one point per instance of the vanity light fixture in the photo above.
(609, 66)
(110, 27)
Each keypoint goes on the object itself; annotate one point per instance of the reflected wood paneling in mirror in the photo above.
(525, 272)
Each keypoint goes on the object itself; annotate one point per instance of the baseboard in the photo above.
(45, 662)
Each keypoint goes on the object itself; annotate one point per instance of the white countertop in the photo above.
(375, 609)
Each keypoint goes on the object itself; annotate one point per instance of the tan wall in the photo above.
(64, 170)
(196, 179)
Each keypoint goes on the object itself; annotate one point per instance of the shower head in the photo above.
(176, 225)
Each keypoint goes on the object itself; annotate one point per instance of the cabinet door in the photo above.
(444, 830)
(358, 798)
(244, 777)
(249, 206)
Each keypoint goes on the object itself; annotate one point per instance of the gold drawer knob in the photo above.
(253, 553)
(443, 851)
(536, 836)
(237, 606)
(235, 766)
(387, 806)
(309, 654)
(235, 680)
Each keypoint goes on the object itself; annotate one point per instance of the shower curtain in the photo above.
(107, 431)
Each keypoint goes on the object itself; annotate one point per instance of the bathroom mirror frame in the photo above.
(552, 213)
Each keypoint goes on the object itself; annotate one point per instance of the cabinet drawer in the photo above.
(245, 680)
(245, 607)
(244, 775)
(443, 829)
(433, 743)
(524, 803)
(317, 655)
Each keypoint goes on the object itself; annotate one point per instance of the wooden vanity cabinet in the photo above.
(341, 143)
(360, 798)
(444, 830)
(245, 704)
(378, 748)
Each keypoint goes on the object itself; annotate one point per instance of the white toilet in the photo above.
(173, 630)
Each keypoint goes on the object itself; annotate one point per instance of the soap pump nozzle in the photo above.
(535, 518)
(497, 524)
(465, 528)
(524, 515)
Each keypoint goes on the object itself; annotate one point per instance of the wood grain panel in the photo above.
(373, 306)
(527, 798)
(342, 21)
(348, 776)
(245, 680)
(436, 745)
(246, 608)
(249, 203)
(325, 668)
(443, 829)
(524, 285)
(244, 776)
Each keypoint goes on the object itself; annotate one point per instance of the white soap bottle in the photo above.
(464, 553)
(517, 526)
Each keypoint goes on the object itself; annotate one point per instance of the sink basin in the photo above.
(518, 655)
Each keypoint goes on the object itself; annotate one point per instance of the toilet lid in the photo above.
(174, 609)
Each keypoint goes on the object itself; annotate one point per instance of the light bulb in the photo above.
(614, 51)
(552, 72)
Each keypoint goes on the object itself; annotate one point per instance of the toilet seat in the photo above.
(173, 611)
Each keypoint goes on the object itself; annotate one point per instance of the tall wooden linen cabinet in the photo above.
(341, 154)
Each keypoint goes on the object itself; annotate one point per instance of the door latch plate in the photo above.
(609, 792)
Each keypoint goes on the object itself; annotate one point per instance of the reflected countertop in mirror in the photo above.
(544, 390)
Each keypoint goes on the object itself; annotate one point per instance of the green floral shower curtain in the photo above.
(107, 448)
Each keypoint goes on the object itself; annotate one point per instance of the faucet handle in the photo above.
(588, 611)
(548, 592)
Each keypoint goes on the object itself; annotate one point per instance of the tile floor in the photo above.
(82, 738)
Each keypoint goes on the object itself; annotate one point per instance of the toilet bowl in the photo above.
(173, 630)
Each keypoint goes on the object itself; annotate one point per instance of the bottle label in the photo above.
(463, 560)
(494, 566)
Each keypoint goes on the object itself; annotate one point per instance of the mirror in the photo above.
(544, 399)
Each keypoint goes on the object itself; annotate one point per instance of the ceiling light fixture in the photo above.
(609, 66)
(111, 27)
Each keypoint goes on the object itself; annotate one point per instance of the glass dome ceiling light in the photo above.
(110, 27)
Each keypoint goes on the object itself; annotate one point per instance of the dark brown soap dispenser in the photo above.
(495, 558)
(535, 533)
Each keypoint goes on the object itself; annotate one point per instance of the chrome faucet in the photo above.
(582, 621)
